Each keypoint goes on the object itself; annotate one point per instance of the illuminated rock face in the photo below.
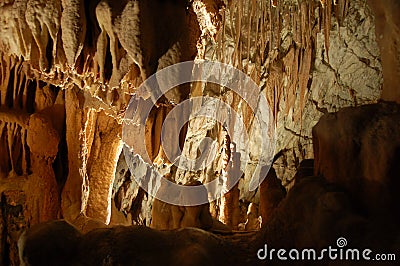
(70, 67)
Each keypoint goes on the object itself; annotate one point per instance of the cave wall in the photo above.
(387, 35)
(317, 59)
(308, 57)
(69, 68)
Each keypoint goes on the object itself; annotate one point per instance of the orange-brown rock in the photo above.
(68, 69)
(387, 23)
(104, 154)
(315, 213)
(135, 245)
(253, 221)
(271, 194)
(229, 211)
(359, 148)
(168, 216)
(43, 142)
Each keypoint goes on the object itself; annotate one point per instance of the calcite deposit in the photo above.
(328, 72)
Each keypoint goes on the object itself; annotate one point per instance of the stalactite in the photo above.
(327, 25)
(10, 140)
(15, 154)
(25, 153)
(252, 37)
(300, 16)
(73, 24)
(43, 19)
(6, 67)
(305, 67)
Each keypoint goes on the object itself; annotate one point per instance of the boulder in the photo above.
(316, 213)
(59, 243)
(359, 149)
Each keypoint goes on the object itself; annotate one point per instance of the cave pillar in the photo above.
(271, 193)
(229, 210)
(92, 154)
(43, 201)
(71, 199)
(105, 152)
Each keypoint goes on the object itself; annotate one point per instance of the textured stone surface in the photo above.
(387, 24)
(70, 67)
(14, 221)
(301, 83)
(167, 216)
(271, 194)
(316, 213)
(350, 76)
(359, 149)
(119, 246)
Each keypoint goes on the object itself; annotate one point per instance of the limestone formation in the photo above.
(73, 24)
(43, 18)
(119, 246)
(168, 216)
(39, 246)
(42, 141)
(165, 215)
(359, 149)
(69, 69)
(316, 213)
(271, 194)
(229, 210)
(387, 36)
(253, 221)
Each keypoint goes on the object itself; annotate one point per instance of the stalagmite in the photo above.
(229, 210)
(168, 216)
(106, 147)
(271, 194)
(43, 148)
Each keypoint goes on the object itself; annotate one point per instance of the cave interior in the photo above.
(199, 132)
